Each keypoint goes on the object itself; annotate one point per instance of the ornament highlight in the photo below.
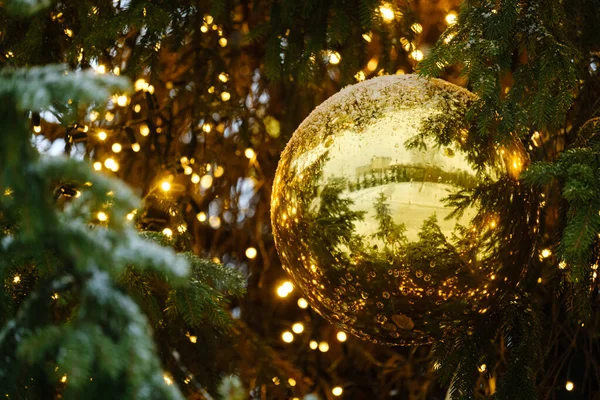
(361, 215)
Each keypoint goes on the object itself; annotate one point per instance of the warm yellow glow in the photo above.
(55, 296)
(387, 13)
(219, 171)
(130, 216)
(165, 186)
(334, 58)
(569, 386)
(102, 216)
(135, 147)
(16, 279)
(150, 89)
(37, 129)
(482, 368)
(206, 181)
(324, 347)
(144, 130)
(102, 135)
(313, 345)
(167, 232)
(204, 28)
(337, 391)
(298, 327)
(122, 101)
(372, 64)
(360, 76)
(211, 89)
(223, 77)
(562, 265)
(342, 337)
(416, 27)
(140, 84)
(116, 147)
(109, 116)
(94, 115)
(187, 170)
(168, 379)
(545, 253)
(117, 71)
(251, 253)
(292, 382)
(137, 108)
(302, 303)
(206, 128)
(249, 153)
(225, 96)
(287, 337)
(285, 288)
(64, 378)
(223, 42)
(214, 221)
(367, 37)
(193, 339)
(416, 55)
(101, 69)
(195, 178)
(97, 165)
(451, 18)
(201, 216)
(68, 32)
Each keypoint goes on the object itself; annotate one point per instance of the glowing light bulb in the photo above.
(313, 345)
(569, 386)
(64, 378)
(219, 171)
(130, 216)
(165, 186)
(206, 127)
(334, 58)
(206, 181)
(302, 303)
(122, 101)
(137, 108)
(109, 116)
(109, 163)
(285, 288)
(168, 379)
(545, 253)
(144, 130)
(387, 13)
(482, 368)
(167, 232)
(16, 279)
(195, 178)
(116, 147)
(249, 153)
(287, 337)
(102, 217)
(341, 336)
(94, 115)
(135, 147)
(292, 382)
(225, 96)
(323, 347)
(140, 84)
(298, 327)
(37, 129)
(251, 253)
(101, 69)
(97, 165)
(451, 18)
(416, 55)
(201, 216)
(223, 77)
(102, 135)
(214, 221)
(337, 391)
(223, 42)
(150, 89)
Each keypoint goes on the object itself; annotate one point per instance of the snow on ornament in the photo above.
(361, 219)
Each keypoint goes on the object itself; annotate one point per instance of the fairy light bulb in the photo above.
(223, 42)
(298, 327)
(249, 153)
(201, 216)
(167, 232)
(285, 289)
(140, 84)
(545, 253)
(417, 55)
(292, 382)
(135, 147)
(451, 18)
(337, 391)
(97, 166)
(165, 186)
(569, 386)
(223, 77)
(251, 253)
(287, 337)
(206, 182)
(122, 101)
(341, 336)
(102, 135)
(387, 13)
(116, 147)
(225, 96)
(101, 69)
(482, 368)
(102, 217)
(323, 347)
(313, 345)
(335, 58)
(302, 303)
(195, 178)
(37, 128)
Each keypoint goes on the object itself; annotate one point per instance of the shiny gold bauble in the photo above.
(361, 218)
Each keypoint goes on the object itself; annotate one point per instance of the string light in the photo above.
(102, 217)
(122, 101)
(387, 13)
(150, 89)
(165, 186)
(313, 345)
(251, 253)
(223, 42)
(292, 382)
(225, 96)
(219, 171)
(206, 127)
(16, 279)
(562, 265)
(102, 135)
(109, 116)
(109, 163)
(168, 379)
(195, 178)
(334, 58)
(206, 181)
(287, 337)
(64, 378)
(482, 368)
(302, 303)
(367, 37)
(545, 253)
(137, 108)
(94, 115)
(223, 77)
(55, 296)
(144, 130)
(298, 328)
(204, 28)
(249, 153)
(341, 336)
(101, 69)
(167, 232)
(97, 165)
(37, 128)
(416, 55)
(323, 347)
(569, 386)
(337, 391)
(130, 216)
(116, 147)
(140, 84)
(201, 216)
(451, 18)
(285, 288)
(214, 221)
(135, 147)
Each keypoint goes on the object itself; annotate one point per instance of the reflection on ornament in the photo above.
(360, 213)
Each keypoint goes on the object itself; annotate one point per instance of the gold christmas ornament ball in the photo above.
(361, 217)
